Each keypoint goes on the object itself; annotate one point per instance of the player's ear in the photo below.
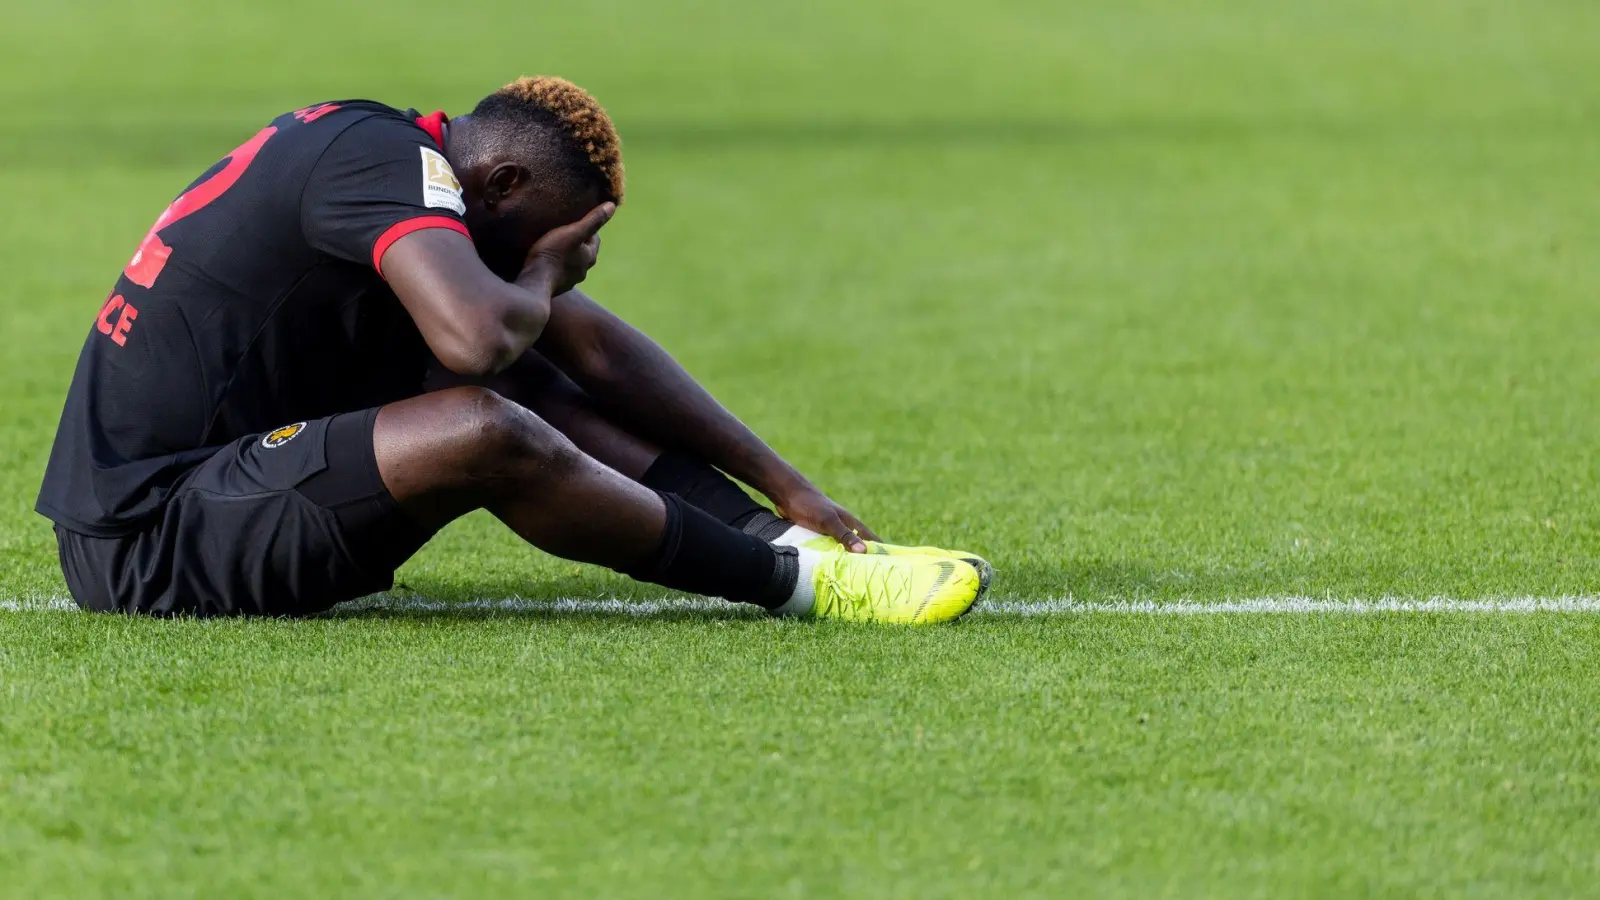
(501, 182)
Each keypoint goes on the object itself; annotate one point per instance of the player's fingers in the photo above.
(858, 526)
(597, 217)
(839, 531)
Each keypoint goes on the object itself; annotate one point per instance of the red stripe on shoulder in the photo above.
(433, 124)
(410, 226)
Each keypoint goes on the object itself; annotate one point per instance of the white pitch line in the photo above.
(1290, 605)
(1003, 608)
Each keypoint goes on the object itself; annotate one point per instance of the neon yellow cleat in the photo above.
(912, 590)
(985, 571)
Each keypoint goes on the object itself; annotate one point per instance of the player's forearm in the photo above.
(516, 317)
(626, 371)
(521, 316)
(475, 323)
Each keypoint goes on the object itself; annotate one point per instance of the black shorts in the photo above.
(285, 523)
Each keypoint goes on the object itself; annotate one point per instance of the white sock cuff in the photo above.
(805, 591)
(795, 536)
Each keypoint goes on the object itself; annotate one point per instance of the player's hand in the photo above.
(564, 255)
(810, 508)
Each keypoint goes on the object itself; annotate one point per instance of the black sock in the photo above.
(707, 489)
(700, 555)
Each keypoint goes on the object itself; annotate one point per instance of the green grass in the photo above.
(1277, 756)
(1147, 300)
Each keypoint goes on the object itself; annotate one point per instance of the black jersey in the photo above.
(255, 301)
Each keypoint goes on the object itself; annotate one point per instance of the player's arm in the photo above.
(365, 201)
(624, 370)
(475, 323)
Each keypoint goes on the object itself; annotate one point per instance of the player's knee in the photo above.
(503, 436)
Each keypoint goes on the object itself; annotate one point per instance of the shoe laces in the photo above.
(884, 580)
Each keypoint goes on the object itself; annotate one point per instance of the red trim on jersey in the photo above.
(433, 124)
(312, 113)
(400, 229)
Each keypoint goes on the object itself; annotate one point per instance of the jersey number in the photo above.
(151, 257)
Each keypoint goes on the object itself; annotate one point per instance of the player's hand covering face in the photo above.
(569, 252)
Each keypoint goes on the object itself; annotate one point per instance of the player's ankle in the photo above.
(793, 535)
(802, 596)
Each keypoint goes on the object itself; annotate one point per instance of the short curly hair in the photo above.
(591, 148)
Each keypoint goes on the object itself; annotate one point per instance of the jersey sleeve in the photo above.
(380, 180)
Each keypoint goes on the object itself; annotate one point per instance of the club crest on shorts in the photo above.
(276, 438)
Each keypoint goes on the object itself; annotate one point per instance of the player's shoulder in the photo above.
(366, 123)
(377, 152)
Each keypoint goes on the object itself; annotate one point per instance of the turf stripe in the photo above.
(1054, 606)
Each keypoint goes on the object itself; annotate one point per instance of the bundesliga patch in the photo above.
(440, 189)
(276, 438)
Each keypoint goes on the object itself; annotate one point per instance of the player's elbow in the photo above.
(479, 354)
(486, 335)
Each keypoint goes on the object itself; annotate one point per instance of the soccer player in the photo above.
(360, 325)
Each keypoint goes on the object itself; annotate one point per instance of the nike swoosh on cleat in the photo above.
(946, 569)
(985, 573)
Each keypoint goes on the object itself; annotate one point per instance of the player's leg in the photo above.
(448, 452)
(306, 516)
(537, 384)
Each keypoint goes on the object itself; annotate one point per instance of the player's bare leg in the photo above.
(536, 384)
(446, 453)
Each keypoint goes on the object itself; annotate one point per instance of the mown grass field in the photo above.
(1149, 301)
